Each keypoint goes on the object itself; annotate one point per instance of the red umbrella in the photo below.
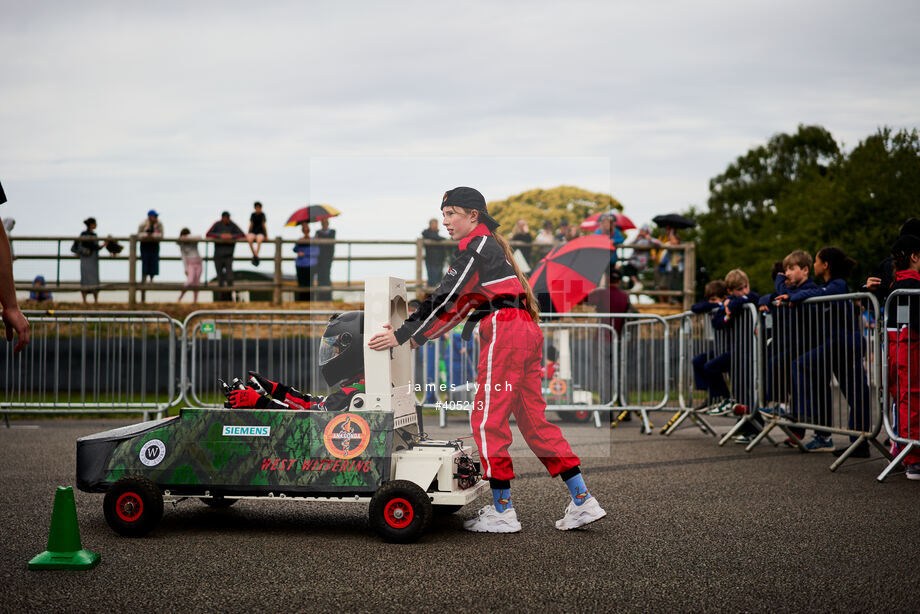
(311, 213)
(591, 222)
(568, 273)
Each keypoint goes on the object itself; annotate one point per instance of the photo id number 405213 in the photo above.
(459, 405)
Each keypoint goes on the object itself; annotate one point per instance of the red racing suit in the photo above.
(510, 354)
(904, 360)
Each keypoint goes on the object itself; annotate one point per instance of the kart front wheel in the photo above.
(133, 506)
(400, 512)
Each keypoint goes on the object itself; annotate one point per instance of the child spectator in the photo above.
(257, 232)
(729, 318)
(37, 293)
(787, 326)
(709, 366)
(840, 351)
(191, 260)
(904, 346)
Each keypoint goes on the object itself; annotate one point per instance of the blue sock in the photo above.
(577, 487)
(501, 497)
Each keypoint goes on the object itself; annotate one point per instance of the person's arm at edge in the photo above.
(13, 318)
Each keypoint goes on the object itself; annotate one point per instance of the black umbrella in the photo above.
(568, 273)
(674, 221)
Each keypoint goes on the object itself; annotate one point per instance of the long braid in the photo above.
(530, 301)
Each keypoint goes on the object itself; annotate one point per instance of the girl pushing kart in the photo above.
(484, 283)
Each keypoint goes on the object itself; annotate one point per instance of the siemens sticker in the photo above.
(247, 431)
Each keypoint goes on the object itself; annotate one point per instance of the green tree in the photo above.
(801, 192)
(537, 206)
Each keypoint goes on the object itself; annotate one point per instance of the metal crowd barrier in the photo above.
(97, 362)
(901, 386)
(697, 343)
(577, 382)
(282, 345)
(589, 357)
(823, 370)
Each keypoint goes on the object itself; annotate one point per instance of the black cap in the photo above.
(469, 198)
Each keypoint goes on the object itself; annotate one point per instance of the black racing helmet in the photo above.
(341, 350)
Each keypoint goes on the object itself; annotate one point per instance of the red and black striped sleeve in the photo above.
(451, 301)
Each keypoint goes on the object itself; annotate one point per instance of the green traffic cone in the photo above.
(64, 548)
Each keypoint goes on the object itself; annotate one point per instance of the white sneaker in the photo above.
(488, 520)
(580, 515)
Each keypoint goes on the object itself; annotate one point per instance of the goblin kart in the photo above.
(372, 452)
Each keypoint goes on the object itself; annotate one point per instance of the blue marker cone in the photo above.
(64, 548)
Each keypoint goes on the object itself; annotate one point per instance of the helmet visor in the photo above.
(330, 347)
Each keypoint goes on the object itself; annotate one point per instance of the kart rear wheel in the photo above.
(400, 512)
(218, 502)
(133, 506)
(575, 416)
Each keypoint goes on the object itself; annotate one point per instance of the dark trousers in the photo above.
(224, 267)
(435, 273)
(304, 280)
(811, 383)
(324, 278)
(707, 373)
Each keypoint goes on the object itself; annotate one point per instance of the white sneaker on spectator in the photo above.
(913, 471)
(580, 515)
(489, 520)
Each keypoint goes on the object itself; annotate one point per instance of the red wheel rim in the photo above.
(129, 506)
(398, 513)
(581, 415)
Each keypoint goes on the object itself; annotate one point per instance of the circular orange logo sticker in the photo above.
(558, 386)
(346, 436)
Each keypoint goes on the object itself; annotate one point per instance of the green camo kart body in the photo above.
(221, 455)
(244, 452)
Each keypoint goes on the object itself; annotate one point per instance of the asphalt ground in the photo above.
(691, 527)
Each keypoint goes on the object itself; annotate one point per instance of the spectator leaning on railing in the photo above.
(13, 319)
(709, 366)
(150, 231)
(839, 347)
(227, 233)
(788, 342)
(726, 318)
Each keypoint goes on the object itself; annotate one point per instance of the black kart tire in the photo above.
(219, 502)
(133, 506)
(400, 512)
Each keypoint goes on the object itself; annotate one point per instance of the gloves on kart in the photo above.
(249, 398)
(288, 395)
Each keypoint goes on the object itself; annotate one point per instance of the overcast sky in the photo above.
(112, 108)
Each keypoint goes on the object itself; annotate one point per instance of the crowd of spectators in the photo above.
(643, 262)
(811, 346)
(313, 262)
